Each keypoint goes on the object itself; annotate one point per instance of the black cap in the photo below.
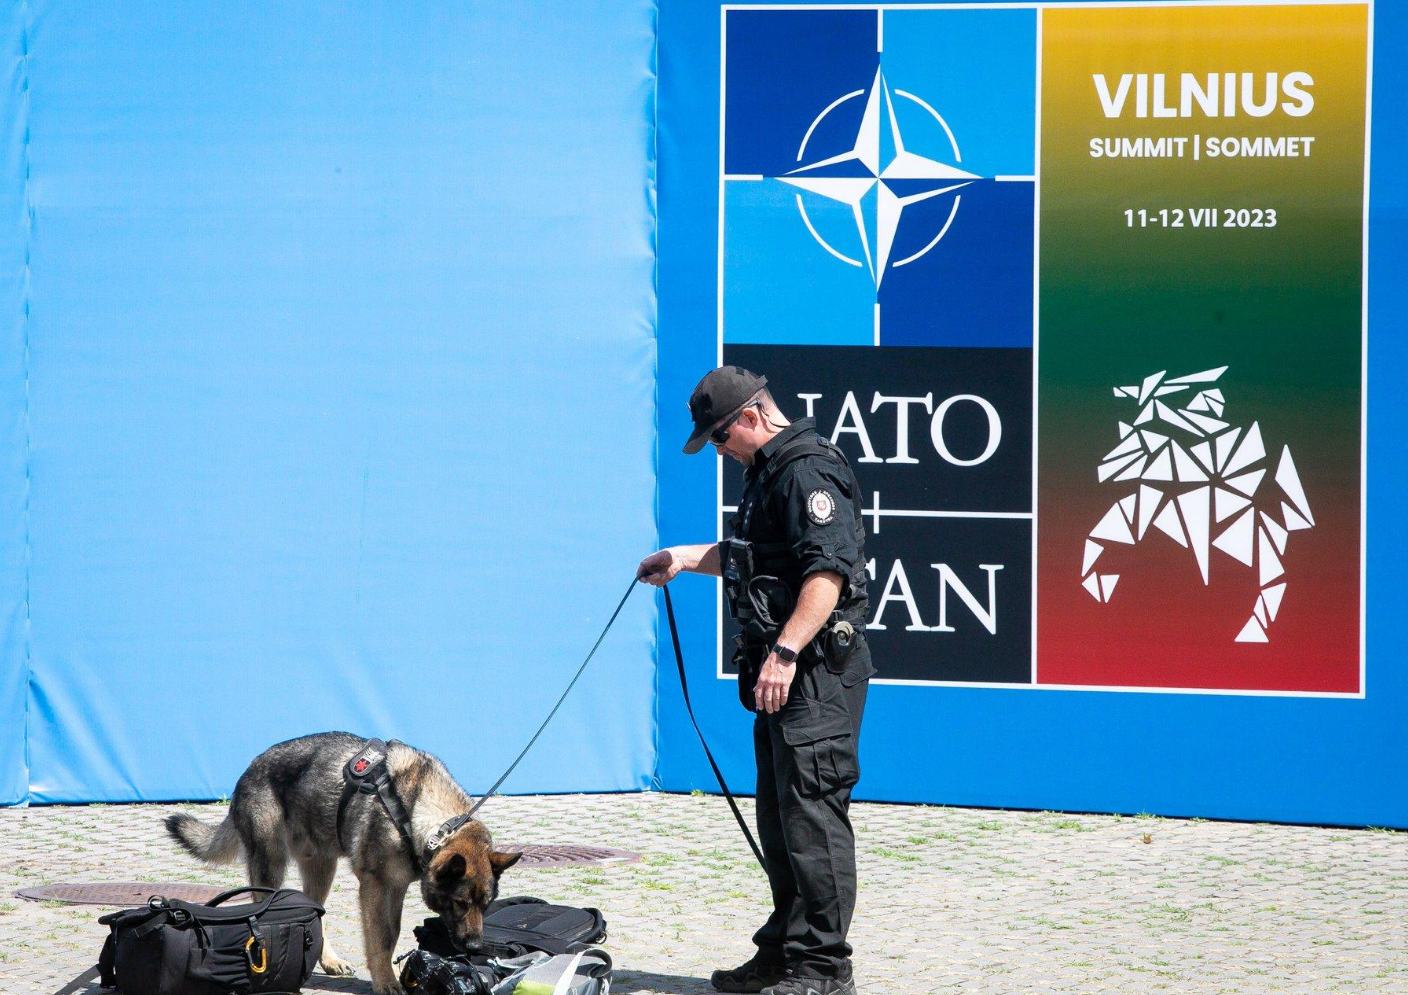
(720, 395)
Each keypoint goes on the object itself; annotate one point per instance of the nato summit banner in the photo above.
(1080, 291)
(1201, 347)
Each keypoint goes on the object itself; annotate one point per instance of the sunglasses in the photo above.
(720, 434)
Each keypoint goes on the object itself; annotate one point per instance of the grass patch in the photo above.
(1047, 921)
(1175, 912)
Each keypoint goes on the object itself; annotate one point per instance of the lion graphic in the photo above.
(1201, 481)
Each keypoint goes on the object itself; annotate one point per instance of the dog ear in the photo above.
(450, 869)
(501, 860)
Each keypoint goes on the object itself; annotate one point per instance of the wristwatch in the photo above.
(785, 653)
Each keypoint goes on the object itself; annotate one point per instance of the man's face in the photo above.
(744, 436)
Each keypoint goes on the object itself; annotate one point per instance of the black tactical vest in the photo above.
(771, 553)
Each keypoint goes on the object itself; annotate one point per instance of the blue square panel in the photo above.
(780, 285)
(879, 176)
(781, 68)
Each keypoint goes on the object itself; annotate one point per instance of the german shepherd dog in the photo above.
(286, 804)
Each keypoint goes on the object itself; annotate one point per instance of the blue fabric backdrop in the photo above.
(14, 483)
(340, 373)
(330, 337)
(1309, 760)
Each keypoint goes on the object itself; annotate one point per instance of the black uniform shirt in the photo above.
(810, 508)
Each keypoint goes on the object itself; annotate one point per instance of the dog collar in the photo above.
(447, 829)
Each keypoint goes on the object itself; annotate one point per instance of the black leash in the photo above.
(444, 832)
(366, 772)
(689, 707)
(449, 827)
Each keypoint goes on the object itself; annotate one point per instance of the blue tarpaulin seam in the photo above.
(652, 194)
(28, 205)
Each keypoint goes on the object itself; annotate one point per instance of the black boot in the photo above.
(753, 975)
(800, 984)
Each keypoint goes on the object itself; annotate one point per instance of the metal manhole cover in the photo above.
(566, 854)
(125, 893)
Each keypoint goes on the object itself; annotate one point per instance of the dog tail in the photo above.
(213, 844)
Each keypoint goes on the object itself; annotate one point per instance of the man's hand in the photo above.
(774, 683)
(664, 565)
(660, 567)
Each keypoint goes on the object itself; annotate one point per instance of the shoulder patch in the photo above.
(821, 506)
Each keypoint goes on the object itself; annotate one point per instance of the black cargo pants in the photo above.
(807, 764)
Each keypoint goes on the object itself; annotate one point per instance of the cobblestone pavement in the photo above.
(951, 899)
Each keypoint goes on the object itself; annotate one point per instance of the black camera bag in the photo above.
(171, 947)
(516, 926)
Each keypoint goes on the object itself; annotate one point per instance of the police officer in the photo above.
(794, 576)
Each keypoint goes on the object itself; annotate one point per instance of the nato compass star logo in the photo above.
(878, 177)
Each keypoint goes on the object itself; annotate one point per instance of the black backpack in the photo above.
(171, 947)
(513, 927)
(517, 926)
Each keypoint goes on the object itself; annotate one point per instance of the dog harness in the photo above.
(366, 774)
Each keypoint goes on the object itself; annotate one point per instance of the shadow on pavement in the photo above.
(87, 984)
(623, 983)
(646, 983)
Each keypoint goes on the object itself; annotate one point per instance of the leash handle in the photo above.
(570, 685)
(689, 707)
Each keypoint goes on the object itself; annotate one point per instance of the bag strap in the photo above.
(595, 963)
(504, 903)
(689, 707)
(227, 895)
(564, 971)
(568, 975)
(199, 913)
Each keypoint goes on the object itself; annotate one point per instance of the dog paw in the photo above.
(392, 987)
(337, 967)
